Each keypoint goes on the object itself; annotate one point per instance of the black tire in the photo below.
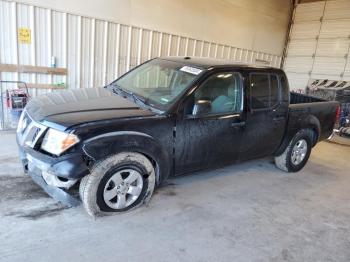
(24, 166)
(93, 186)
(284, 161)
(82, 185)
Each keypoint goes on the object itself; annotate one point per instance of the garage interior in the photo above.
(250, 211)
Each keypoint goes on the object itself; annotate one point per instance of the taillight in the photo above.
(337, 114)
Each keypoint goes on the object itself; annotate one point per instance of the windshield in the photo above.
(158, 82)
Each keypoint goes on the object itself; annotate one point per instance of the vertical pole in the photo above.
(202, 49)
(65, 44)
(150, 42)
(186, 46)
(92, 55)
(139, 53)
(79, 52)
(235, 54)
(223, 51)
(14, 35)
(33, 45)
(178, 45)
(169, 44)
(139, 47)
(105, 52)
(160, 44)
(216, 51)
(117, 51)
(194, 48)
(49, 39)
(252, 57)
(128, 56)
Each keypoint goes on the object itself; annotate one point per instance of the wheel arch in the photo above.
(311, 122)
(308, 123)
(102, 146)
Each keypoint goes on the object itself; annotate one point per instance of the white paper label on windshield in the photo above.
(191, 70)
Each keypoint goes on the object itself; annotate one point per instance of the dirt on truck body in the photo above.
(166, 117)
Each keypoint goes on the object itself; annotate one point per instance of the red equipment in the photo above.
(16, 99)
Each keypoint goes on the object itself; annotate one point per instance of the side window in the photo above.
(259, 90)
(274, 90)
(220, 93)
(285, 88)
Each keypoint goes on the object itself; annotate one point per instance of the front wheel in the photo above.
(118, 183)
(297, 153)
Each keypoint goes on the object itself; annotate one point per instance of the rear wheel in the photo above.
(118, 183)
(297, 153)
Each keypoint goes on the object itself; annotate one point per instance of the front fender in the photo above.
(102, 146)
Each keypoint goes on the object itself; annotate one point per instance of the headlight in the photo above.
(56, 142)
(22, 123)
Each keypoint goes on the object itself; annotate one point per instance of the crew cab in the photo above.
(166, 117)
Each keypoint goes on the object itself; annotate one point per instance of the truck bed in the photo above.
(296, 98)
(304, 108)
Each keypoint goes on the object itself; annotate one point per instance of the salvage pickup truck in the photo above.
(166, 117)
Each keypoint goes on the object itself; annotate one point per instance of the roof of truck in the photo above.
(206, 62)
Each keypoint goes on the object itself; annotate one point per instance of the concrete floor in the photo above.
(246, 212)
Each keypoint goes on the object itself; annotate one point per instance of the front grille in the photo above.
(29, 131)
(35, 134)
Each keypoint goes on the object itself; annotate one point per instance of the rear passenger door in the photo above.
(266, 115)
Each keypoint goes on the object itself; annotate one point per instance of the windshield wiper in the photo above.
(129, 93)
(137, 98)
(116, 88)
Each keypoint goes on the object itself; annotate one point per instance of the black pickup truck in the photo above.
(166, 117)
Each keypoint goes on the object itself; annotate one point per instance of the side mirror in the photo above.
(201, 107)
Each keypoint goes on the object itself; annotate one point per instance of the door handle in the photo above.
(238, 124)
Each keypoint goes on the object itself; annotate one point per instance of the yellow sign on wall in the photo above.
(24, 35)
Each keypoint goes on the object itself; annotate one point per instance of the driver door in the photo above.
(210, 135)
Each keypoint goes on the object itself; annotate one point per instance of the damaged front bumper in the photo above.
(54, 175)
(55, 192)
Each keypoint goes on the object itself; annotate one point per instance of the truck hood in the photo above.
(73, 107)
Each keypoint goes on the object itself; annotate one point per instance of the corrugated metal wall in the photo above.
(319, 43)
(94, 51)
